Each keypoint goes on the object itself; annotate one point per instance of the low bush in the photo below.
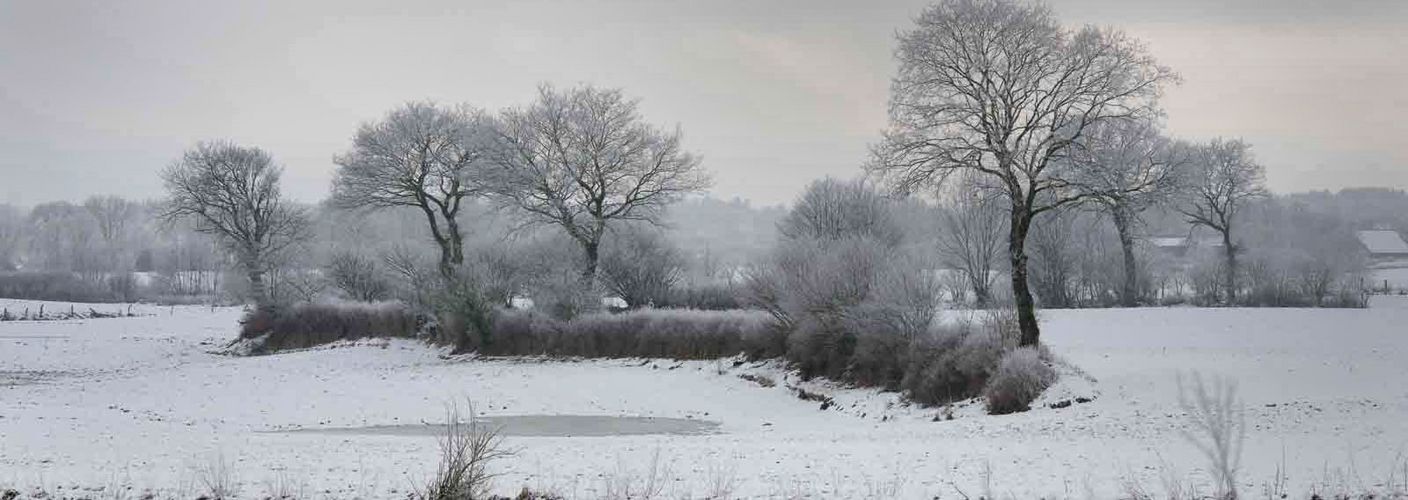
(951, 364)
(305, 325)
(1020, 378)
(651, 333)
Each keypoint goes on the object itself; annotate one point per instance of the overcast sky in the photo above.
(96, 97)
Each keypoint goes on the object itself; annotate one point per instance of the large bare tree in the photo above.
(1225, 178)
(1000, 88)
(420, 155)
(232, 192)
(1127, 166)
(582, 158)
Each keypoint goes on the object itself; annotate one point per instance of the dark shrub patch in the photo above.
(307, 325)
(950, 366)
(648, 333)
(60, 286)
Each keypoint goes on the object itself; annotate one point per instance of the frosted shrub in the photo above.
(1020, 378)
(305, 325)
(899, 309)
(951, 364)
(855, 300)
(815, 289)
(652, 333)
(462, 310)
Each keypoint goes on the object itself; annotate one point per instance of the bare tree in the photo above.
(232, 192)
(640, 266)
(113, 217)
(1053, 258)
(499, 271)
(413, 273)
(1225, 178)
(420, 155)
(63, 238)
(583, 158)
(357, 276)
(1126, 166)
(1001, 88)
(832, 209)
(971, 240)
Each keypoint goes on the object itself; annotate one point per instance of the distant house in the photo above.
(1383, 245)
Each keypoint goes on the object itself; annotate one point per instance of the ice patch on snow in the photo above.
(545, 426)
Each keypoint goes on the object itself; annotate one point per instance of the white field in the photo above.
(141, 402)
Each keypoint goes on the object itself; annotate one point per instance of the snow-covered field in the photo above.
(143, 402)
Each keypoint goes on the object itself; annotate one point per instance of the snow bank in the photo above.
(142, 401)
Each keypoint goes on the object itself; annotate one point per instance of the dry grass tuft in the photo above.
(466, 450)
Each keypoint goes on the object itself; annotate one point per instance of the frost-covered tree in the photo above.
(232, 192)
(970, 242)
(1225, 178)
(833, 209)
(357, 276)
(116, 219)
(1001, 88)
(1126, 166)
(63, 238)
(421, 155)
(640, 265)
(583, 158)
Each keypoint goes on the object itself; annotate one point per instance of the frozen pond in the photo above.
(546, 426)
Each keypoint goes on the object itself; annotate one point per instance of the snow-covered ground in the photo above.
(145, 402)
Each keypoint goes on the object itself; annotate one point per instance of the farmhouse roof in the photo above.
(1383, 242)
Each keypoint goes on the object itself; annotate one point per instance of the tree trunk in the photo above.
(1129, 295)
(257, 291)
(592, 250)
(982, 297)
(449, 244)
(455, 242)
(1021, 292)
(1230, 281)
